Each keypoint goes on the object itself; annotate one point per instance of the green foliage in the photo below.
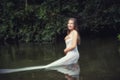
(118, 36)
(37, 21)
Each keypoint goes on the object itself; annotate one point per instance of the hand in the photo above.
(65, 51)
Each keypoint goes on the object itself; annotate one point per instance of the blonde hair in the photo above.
(76, 28)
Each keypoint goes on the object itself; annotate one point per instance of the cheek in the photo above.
(68, 27)
(71, 26)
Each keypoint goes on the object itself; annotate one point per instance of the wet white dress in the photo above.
(70, 58)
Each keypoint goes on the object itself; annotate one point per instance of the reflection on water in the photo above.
(71, 71)
(100, 60)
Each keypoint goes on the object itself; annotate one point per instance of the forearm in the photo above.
(69, 49)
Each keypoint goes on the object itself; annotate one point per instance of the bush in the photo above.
(118, 37)
(37, 21)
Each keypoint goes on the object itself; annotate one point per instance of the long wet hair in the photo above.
(76, 28)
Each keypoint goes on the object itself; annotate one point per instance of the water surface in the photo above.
(99, 60)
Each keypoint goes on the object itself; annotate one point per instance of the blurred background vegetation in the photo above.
(45, 20)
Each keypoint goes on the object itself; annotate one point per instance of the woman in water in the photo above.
(71, 51)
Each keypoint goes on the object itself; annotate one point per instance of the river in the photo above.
(99, 60)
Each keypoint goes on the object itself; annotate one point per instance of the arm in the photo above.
(74, 42)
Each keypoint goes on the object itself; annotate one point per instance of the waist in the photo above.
(70, 46)
(75, 50)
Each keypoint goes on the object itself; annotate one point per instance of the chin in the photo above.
(70, 29)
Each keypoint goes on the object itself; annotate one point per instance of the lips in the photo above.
(69, 26)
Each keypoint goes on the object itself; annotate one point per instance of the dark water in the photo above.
(99, 60)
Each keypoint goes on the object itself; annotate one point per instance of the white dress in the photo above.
(70, 58)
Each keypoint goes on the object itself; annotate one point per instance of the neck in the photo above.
(71, 30)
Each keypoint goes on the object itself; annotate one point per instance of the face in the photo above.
(69, 77)
(70, 25)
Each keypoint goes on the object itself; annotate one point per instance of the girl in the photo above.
(72, 39)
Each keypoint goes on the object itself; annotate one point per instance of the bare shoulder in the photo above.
(74, 32)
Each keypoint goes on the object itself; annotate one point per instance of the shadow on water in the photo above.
(99, 60)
